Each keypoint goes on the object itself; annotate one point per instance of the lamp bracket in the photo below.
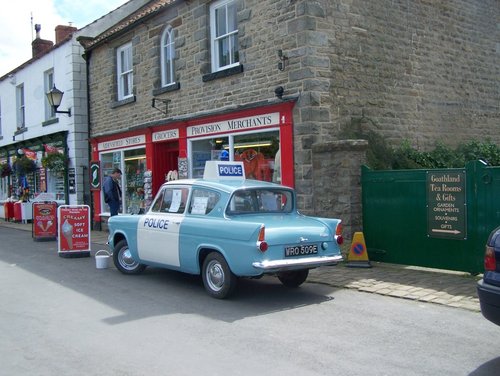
(163, 101)
(63, 112)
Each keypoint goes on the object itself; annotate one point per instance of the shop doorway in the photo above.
(165, 158)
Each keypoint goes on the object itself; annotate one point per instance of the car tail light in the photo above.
(490, 262)
(261, 241)
(338, 234)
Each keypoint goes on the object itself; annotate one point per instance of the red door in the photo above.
(165, 160)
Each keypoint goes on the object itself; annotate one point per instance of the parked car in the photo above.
(225, 227)
(488, 288)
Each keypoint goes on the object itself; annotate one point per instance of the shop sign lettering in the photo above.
(250, 122)
(446, 205)
(170, 134)
(122, 142)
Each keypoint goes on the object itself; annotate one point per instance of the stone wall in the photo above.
(337, 182)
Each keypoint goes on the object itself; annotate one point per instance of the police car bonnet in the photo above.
(224, 170)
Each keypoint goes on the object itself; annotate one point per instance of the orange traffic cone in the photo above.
(358, 256)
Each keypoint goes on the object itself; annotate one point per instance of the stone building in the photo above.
(178, 82)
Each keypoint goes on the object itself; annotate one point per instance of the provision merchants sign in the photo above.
(446, 205)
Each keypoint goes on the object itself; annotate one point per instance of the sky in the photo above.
(17, 29)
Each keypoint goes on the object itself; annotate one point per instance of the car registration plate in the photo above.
(301, 250)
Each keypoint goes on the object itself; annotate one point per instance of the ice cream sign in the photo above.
(44, 220)
(73, 229)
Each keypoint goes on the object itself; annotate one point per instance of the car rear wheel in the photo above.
(218, 279)
(124, 261)
(293, 278)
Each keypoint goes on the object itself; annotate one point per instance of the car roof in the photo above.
(228, 185)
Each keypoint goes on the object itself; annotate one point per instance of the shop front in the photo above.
(262, 138)
(33, 169)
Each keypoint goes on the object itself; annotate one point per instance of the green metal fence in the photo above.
(431, 218)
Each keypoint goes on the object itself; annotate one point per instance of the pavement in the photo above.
(437, 286)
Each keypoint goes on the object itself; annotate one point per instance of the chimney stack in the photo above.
(40, 46)
(64, 32)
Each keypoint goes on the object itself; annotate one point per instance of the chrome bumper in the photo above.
(292, 264)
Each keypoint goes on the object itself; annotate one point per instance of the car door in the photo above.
(158, 230)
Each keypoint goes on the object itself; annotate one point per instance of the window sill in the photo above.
(20, 131)
(123, 102)
(50, 121)
(166, 89)
(223, 73)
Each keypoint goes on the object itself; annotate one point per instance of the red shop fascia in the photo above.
(166, 145)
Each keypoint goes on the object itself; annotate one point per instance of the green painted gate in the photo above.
(431, 218)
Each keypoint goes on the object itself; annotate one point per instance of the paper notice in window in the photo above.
(199, 205)
(269, 202)
(176, 201)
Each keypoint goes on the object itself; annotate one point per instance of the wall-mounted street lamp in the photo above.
(54, 97)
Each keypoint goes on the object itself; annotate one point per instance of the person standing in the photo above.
(112, 191)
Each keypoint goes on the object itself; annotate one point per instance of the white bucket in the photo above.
(102, 259)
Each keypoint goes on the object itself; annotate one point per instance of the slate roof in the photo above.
(148, 10)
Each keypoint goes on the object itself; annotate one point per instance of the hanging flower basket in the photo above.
(5, 170)
(24, 165)
(55, 161)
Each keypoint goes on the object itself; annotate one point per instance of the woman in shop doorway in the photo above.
(112, 191)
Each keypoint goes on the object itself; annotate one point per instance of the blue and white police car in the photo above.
(225, 227)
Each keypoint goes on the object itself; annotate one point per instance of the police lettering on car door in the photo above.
(158, 232)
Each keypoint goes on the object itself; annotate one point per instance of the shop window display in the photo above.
(259, 153)
(133, 165)
(109, 161)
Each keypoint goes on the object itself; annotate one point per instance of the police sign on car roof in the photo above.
(224, 170)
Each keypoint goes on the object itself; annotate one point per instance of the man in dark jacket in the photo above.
(112, 191)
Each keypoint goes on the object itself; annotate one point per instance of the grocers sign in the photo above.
(446, 205)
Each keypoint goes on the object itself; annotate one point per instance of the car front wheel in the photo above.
(124, 261)
(218, 279)
(293, 278)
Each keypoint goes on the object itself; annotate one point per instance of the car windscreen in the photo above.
(268, 200)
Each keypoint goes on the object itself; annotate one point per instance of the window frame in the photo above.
(161, 206)
(48, 78)
(167, 44)
(212, 200)
(230, 36)
(21, 107)
(125, 75)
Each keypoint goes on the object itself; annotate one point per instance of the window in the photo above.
(124, 71)
(171, 200)
(261, 201)
(49, 83)
(167, 57)
(132, 163)
(21, 121)
(0, 119)
(259, 152)
(203, 201)
(224, 34)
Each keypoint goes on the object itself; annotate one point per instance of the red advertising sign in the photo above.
(44, 220)
(73, 228)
